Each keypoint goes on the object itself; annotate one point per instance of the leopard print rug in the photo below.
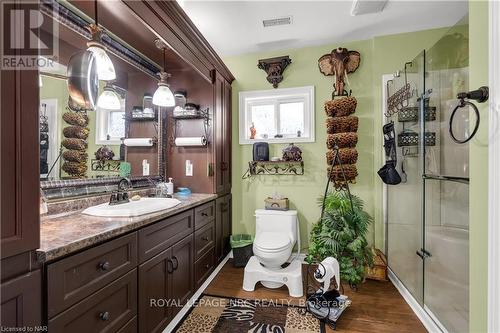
(232, 315)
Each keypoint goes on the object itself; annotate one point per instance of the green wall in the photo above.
(381, 55)
(478, 194)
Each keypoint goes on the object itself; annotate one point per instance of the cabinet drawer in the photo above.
(107, 310)
(159, 236)
(204, 214)
(74, 278)
(130, 327)
(204, 239)
(203, 267)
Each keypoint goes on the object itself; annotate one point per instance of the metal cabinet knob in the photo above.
(207, 266)
(205, 238)
(104, 316)
(204, 214)
(104, 266)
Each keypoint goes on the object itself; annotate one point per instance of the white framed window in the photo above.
(277, 115)
(110, 124)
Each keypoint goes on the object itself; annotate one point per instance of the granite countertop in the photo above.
(63, 234)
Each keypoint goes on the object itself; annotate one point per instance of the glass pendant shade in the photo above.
(109, 99)
(163, 96)
(105, 68)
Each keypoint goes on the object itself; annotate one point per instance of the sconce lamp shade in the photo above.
(163, 96)
(109, 99)
(105, 68)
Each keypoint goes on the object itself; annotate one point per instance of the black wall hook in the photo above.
(480, 95)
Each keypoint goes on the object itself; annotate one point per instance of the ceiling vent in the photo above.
(277, 21)
(361, 7)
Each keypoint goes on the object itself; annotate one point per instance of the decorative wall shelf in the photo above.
(276, 168)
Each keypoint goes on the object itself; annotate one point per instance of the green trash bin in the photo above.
(242, 249)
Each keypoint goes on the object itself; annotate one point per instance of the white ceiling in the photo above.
(235, 27)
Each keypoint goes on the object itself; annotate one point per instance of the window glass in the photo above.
(291, 117)
(263, 119)
(116, 124)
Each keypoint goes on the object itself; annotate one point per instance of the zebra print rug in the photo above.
(213, 314)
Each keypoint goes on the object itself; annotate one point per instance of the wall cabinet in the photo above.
(222, 102)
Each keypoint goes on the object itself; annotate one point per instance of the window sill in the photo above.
(277, 140)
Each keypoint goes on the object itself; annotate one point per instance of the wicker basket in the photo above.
(337, 176)
(411, 113)
(379, 270)
(76, 118)
(346, 155)
(76, 132)
(406, 139)
(74, 144)
(341, 124)
(341, 107)
(343, 140)
(75, 156)
(75, 169)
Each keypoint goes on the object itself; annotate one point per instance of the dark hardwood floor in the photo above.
(377, 307)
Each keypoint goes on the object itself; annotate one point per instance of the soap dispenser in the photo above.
(170, 187)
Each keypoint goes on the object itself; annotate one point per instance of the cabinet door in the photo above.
(223, 223)
(19, 171)
(155, 281)
(226, 143)
(219, 133)
(227, 221)
(21, 301)
(183, 273)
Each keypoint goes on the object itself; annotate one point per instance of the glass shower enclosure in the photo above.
(427, 214)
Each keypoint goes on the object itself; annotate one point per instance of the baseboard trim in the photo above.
(177, 319)
(422, 315)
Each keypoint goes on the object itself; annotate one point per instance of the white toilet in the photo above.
(276, 233)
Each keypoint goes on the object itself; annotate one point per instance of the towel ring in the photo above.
(464, 103)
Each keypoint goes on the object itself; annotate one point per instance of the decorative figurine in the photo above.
(104, 154)
(253, 131)
(292, 153)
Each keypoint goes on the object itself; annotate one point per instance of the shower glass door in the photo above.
(446, 184)
(404, 201)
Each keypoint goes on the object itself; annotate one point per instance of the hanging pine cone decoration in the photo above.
(75, 169)
(339, 178)
(346, 155)
(76, 118)
(74, 144)
(343, 140)
(76, 132)
(341, 106)
(75, 156)
(341, 124)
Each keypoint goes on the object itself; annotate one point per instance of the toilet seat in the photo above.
(272, 242)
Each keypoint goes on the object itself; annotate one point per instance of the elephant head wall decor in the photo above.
(339, 62)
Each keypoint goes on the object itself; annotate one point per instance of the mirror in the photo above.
(81, 142)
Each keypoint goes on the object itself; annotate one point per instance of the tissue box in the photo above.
(277, 204)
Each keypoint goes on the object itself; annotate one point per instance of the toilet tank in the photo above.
(276, 221)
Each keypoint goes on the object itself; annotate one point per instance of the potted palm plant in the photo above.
(341, 233)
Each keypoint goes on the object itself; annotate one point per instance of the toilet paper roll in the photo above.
(138, 142)
(191, 141)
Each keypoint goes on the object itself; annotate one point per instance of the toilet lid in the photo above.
(272, 241)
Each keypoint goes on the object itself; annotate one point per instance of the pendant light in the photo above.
(163, 95)
(109, 99)
(105, 68)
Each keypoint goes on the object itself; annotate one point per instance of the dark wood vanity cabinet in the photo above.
(223, 226)
(165, 285)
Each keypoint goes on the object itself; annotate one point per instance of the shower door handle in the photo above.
(422, 253)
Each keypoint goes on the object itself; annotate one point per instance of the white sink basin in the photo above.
(132, 208)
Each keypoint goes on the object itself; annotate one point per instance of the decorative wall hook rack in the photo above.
(274, 67)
